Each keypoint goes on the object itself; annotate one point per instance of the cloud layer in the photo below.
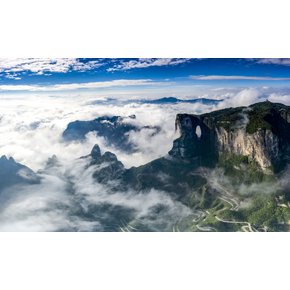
(68, 198)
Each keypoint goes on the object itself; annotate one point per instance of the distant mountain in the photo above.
(115, 130)
(173, 100)
(13, 173)
(160, 101)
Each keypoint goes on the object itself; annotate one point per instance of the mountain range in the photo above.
(220, 167)
(173, 100)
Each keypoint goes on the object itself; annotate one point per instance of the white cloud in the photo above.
(278, 98)
(245, 97)
(278, 61)
(53, 205)
(39, 66)
(147, 62)
(221, 77)
(76, 86)
(12, 76)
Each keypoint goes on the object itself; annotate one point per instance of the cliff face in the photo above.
(261, 146)
(260, 133)
(197, 141)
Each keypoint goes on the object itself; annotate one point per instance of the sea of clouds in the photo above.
(68, 198)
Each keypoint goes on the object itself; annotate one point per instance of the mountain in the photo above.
(114, 129)
(173, 100)
(159, 101)
(258, 135)
(13, 173)
(108, 166)
(221, 166)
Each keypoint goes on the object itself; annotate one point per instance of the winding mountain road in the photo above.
(246, 224)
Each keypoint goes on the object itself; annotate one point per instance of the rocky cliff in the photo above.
(258, 134)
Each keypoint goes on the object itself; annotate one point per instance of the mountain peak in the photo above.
(96, 152)
(3, 158)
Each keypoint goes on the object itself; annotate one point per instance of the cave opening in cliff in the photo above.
(198, 131)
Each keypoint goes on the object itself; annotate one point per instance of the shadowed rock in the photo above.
(13, 173)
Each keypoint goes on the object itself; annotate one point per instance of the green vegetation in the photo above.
(261, 116)
(226, 118)
(258, 117)
(230, 160)
(212, 221)
(257, 122)
(264, 116)
(222, 210)
(202, 198)
(265, 212)
(231, 215)
(242, 170)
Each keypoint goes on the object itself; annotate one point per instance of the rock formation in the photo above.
(260, 133)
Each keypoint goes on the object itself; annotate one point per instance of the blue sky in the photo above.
(96, 74)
